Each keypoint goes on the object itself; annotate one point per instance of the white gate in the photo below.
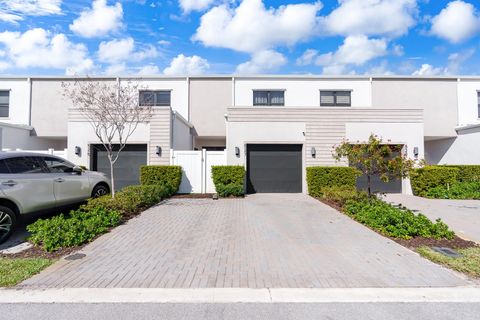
(196, 169)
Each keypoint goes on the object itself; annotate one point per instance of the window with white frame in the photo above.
(338, 98)
(269, 97)
(156, 98)
(4, 103)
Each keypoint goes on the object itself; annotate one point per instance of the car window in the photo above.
(55, 165)
(3, 167)
(25, 165)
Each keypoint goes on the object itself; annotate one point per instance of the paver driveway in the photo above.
(463, 216)
(278, 240)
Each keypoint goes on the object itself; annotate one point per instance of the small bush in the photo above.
(321, 177)
(341, 194)
(167, 176)
(460, 190)
(72, 230)
(466, 173)
(424, 179)
(229, 180)
(395, 222)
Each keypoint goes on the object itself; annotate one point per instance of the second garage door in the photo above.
(274, 168)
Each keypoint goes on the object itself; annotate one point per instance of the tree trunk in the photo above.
(368, 185)
(112, 180)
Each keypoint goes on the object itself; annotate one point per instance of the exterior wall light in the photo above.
(237, 151)
(158, 151)
(78, 151)
(415, 152)
(313, 152)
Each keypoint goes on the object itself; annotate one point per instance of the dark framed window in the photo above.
(4, 103)
(478, 104)
(156, 98)
(268, 97)
(335, 98)
(25, 165)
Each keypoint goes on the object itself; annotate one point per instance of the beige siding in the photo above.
(324, 127)
(437, 97)
(209, 99)
(160, 131)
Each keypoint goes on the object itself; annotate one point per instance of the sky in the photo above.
(193, 37)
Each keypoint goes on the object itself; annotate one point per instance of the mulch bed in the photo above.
(192, 196)
(455, 243)
(38, 252)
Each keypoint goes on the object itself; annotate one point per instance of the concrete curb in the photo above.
(240, 295)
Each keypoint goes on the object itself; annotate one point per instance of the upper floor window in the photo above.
(335, 98)
(4, 103)
(155, 98)
(268, 97)
(478, 104)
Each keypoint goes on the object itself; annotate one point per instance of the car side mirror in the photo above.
(77, 170)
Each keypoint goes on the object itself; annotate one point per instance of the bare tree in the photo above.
(112, 109)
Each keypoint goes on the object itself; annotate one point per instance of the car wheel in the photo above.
(100, 190)
(8, 223)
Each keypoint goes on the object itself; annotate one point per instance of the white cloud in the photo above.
(13, 10)
(457, 22)
(428, 70)
(251, 27)
(307, 57)
(148, 70)
(263, 61)
(98, 21)
(116, 69)
(370, 17)
(183, 65)
(118, 50)
(355, 50)
(195, 5)
(454, 66)
(39, 48)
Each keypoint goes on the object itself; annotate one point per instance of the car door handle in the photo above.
(9, 183)
(59, 180)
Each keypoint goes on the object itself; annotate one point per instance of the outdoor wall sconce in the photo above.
(237, 151)
(415, 152)
(314, 152)
(78, 151)
(158, 151)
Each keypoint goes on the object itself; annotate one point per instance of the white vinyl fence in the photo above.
(60, 153)
(196, 167)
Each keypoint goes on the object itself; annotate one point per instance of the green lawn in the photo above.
(469, 263)
(13, 271)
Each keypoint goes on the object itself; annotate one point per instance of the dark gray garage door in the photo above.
(127, 167)
(274, 168)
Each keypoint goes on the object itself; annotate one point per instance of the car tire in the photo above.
(8, 223)
(100, 190)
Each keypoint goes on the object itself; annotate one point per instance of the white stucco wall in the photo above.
(19, 100)
(467, 102)
(302, 92)
(179, 88)
(464, 149)
(19, 138)
(81, 134)
(182, 138)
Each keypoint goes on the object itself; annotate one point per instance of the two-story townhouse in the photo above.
(274, 125)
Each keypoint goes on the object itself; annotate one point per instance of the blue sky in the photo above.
(176, 37)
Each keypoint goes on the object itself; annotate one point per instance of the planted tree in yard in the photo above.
(375, 158)
(113, 111)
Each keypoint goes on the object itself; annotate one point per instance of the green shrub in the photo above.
(229, 180)
(72, 230)
(321, 177)
(424, 179)
(459, 190)
(466, 173)
(167, 176)
(341, 194)
(395, 222)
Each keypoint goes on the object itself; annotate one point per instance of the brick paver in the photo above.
(264, 240)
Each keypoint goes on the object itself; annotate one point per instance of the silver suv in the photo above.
(34, 183)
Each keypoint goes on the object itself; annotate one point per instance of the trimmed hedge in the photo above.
(95, 217)
(168, 176)
(229, 180)
(466, 173)
(459, 190)
(424, 179)
(396, 222)
(320, 177)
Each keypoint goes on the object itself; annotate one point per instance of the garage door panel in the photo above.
(274, 168)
